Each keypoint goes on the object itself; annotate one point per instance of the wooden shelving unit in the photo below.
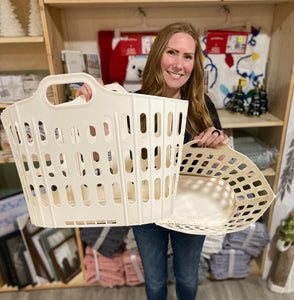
(64, 23)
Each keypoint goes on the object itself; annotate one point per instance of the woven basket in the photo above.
(110, 162)
(219, 191)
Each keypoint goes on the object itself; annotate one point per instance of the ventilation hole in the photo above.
(199, 171)
(194, 145)
(262, 193)
(112, 162)
(237, 190)
(221, 158)
(116, 192)
(240, 198)
(80, 164)
(233, 172)
(143, 123)
(185, 161)
(169, 124)
(70, 195)
(167, 188)
(204, 164)
(246, 187)
(262, 203)
(48, 160)
(168, 156)
(257, 183)
(101, 194)
(191, 169)
(246, 213)
(44, 198)
(188, 154)
(257, 211)
(232, 183)
(194, 162)
(92, 134)
(55, 195)
(224, 168)
(157, 158)
(75, 135)
(59, 136)
(64, 169)
(176, 154)
(25, 163)
(42, 131)
(28, 132)
(180, 123)
(131, 192)
(36, 162)
(85, 194)
(145, 190)
(242, 166)
(144, 159)
(157, 124)
(240, 179)
(215, 165)
(209, 172)
(129, 161)
(157, 188)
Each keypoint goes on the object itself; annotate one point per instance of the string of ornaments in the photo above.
(10, 25)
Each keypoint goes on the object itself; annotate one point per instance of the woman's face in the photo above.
(177, 63)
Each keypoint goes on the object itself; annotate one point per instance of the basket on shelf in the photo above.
(219, 191)
(110, 162)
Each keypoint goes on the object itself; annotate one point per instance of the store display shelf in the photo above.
(21, 40)
(231, 120)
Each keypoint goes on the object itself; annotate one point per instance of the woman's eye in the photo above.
(171, 52)
(189, 57)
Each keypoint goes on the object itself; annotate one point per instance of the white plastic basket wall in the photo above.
(95, 164)
(219, 191)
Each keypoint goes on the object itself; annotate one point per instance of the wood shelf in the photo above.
(22, 40)
(231, 120)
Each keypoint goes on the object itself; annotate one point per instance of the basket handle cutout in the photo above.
(61, 79)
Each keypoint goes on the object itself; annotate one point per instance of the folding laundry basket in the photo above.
(219, 191)
(113, 161)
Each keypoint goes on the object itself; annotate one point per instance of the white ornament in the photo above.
(35, 27)
(9, 24)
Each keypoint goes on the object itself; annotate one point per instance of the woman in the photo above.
(174, 69)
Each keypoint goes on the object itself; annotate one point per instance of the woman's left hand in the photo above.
(212, 138)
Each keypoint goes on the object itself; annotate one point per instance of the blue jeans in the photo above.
(152, 242)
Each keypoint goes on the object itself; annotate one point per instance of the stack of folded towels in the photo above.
(133, 268)
(108, 271)
(238, 248)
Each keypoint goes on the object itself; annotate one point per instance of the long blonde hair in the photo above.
(153, 82)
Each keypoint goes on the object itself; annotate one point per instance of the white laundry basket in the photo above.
(219, 191)
(113, 161)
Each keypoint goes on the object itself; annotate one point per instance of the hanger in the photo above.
(143, 27)
(229, 24)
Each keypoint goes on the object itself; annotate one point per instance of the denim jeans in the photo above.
(152, 241)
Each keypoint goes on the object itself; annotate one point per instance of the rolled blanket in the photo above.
(133, 267)
(105, 240)
(251, 240)
(98, 268)
(229, 263)
(212, 245)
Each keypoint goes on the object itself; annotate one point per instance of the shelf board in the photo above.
(231, 120)
(6, 157)
(144, 2)
(4, 105)
(21, 39)
(77, 281)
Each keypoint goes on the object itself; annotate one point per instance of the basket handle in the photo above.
(73, 78)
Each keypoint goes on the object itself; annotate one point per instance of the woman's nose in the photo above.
(178, 62)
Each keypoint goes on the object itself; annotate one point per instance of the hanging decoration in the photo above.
(35, 23)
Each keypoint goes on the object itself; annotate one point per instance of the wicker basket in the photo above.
(219, 191)
(110, 162)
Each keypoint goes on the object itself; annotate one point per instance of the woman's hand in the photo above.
(86, 91)
(212, 138)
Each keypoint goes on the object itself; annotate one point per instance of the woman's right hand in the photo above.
(86, 91)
